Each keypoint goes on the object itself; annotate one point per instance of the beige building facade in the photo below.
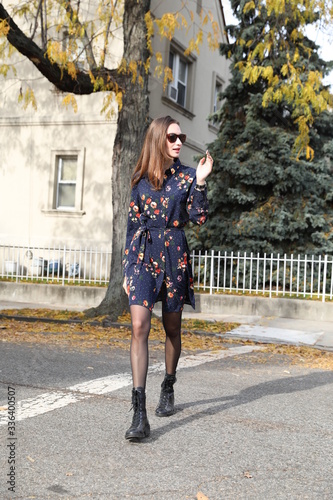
(56, 165)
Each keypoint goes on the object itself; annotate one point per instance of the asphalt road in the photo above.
(248, 426)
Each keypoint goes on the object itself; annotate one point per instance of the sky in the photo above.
(324, 40)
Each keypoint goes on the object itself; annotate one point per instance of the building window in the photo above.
(178, 88)
(216, 101)
(199, 6)
(66, 182)
(217, 96)
(179, 94)
(65, 193)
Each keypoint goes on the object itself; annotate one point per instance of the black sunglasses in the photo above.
(173, 137)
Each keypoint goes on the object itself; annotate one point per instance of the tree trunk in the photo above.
(131, 128)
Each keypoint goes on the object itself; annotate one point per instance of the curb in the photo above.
(106, 324)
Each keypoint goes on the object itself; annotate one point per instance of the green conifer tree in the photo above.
(262, 198)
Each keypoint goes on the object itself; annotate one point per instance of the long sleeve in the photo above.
(197, 205)
(132, 222)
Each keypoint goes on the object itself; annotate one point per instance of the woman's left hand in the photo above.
(204, 168)
(125, 285)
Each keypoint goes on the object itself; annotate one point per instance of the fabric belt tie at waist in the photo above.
(145, 237)
(145, 228)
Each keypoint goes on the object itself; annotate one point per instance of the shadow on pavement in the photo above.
(278, 386)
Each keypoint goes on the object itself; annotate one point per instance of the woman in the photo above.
(165, 196)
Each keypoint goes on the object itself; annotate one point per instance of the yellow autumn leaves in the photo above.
(297, 85)
(166, 27)
(78, 39)
(197, 335)
(85, 334)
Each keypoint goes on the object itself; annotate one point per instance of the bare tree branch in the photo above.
(106, 36)
(45, 28)
(36, 20)
(59, 76)
(87, 43)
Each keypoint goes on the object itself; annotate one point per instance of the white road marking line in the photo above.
(50, 401)
(103, 385)
(44, 403)
(205, 357)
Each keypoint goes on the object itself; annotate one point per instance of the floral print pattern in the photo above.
(157, 262)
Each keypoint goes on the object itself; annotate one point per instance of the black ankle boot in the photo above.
(166, 405)
(140, 427)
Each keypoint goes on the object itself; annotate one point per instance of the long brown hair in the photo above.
(154, 153)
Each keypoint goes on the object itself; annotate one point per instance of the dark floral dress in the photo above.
(157, 262)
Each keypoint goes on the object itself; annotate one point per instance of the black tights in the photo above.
(141, 320)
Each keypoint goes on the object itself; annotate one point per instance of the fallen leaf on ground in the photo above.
(201, 496)
(87, 335)
(248, 475)
(197, 335)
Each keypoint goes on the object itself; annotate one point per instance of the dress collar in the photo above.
(173, 168)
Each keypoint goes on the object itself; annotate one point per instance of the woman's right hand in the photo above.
(204, 168)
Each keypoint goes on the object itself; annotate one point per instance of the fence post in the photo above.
(192, 260)
(271, 277)
(63, 266)
(211, 284)
(331, 287)
(324, 278)
(258, 264)
(18, 265)
(305, 263)
(319, 269)
(225, 271)
(277, 273)
(205, 270)
(237, 272)
(251, 268)
(298, 273)
(218, 271)
(244, 273)
(264, 275)
(291, 275)
(199, 263)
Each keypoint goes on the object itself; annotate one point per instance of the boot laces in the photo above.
(134, 406)
(167, 385)
(165, 396)
(137, 408)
